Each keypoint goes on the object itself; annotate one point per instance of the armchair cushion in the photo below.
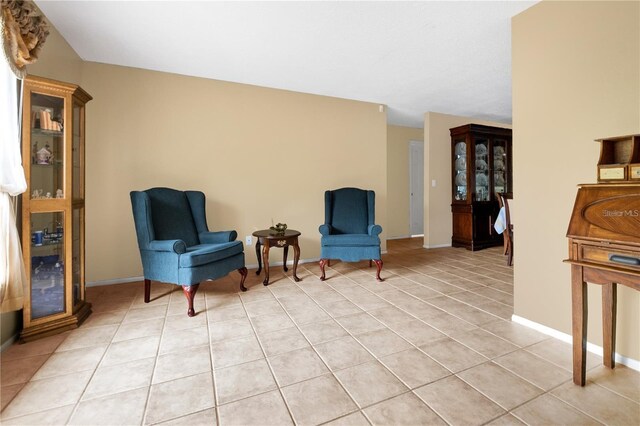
(348, 211)
(350, 240)
(171, 216)
(203, 254)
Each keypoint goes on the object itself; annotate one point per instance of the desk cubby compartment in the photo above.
(619, 159)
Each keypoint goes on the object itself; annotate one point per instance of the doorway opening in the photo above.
(416, 188)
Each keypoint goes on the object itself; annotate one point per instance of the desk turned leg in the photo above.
(296, 258)
(579, 324)
(265, 258)
(284, 258)
(258, 256)
(190, 292)
(609, 302)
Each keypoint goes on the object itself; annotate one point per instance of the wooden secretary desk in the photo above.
(604, 249)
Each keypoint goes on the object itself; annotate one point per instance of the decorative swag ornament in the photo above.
(24, 31)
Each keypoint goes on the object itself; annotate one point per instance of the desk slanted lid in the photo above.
(607, 212)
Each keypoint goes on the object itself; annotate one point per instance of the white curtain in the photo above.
(12, 184)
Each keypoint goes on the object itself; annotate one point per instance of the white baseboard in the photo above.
(113, 281)
(567, 338)
(141, 278)
(436, 246)
(399, 237)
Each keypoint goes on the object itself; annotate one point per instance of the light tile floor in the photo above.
(433, 344)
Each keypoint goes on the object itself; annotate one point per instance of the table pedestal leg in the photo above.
(258, 255)
(265, 258)
(579, 324)
(296, 258)
(609, 296)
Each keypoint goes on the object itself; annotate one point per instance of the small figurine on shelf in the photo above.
(59, 193)
(44, 156)
(278, 229)
(37, 193)
(48, 195)
(59, 229)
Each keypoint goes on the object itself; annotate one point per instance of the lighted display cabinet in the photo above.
(480, 168)
(53, 206)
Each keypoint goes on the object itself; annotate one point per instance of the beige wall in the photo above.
(576, 68)
(437, 151)
(258, 154)
(57, 60)
(398, 138)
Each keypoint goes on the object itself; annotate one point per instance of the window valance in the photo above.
(24, 31)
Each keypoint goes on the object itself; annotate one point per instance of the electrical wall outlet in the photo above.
(248, 240)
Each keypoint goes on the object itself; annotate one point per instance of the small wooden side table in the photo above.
(266, 240)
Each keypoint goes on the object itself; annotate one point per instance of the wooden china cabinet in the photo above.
(53, 207)
(481, 166)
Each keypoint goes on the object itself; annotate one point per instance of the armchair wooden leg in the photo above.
(323, 262)
(190, 292)
(379, 268)
(243, 272)
(147, 290)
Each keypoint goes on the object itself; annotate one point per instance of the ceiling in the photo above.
(414, 57)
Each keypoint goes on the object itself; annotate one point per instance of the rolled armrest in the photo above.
(217, 237)
(325, 229)
(175, 246)
(374, 230)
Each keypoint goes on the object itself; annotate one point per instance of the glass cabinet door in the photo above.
(500, 166)
(47, 147)
(482, 169)
(77, 254)
(76, 152)
(460, 173)
(47, 264)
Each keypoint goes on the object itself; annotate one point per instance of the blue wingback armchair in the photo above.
(349, 232)
(176, 245)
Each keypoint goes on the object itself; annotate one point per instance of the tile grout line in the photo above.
(155, 364)
(266, 359)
